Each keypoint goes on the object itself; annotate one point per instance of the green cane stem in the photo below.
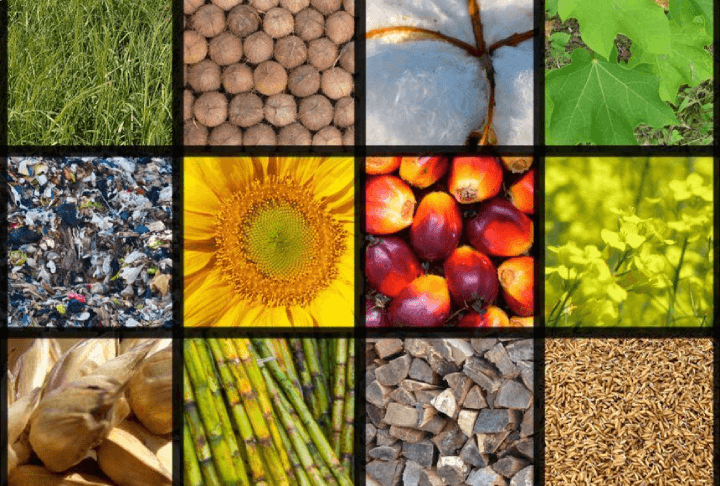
(193, 476)
(341, 351)
(326, 452)
(305, 378)
(222, 457)
(208, 368)
(299, 445)
(239, 414)
(286, 357)
(197, 434)
(321, 393)
(348, 436)
(238, 351)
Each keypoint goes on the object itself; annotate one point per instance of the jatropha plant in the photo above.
(629, 254)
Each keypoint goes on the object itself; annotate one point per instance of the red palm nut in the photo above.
(423, 303)
(375, 316)
(516, 279)
(500, 229)
(389, 205)
(522, 321)
(390, 265)
(471, 277)
(381, 165)
(423, 172)
(522, 193)
(517, 164)
(491, 316)
(474, 179)
(437, 226)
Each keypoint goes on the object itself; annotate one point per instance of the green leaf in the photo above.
(686, 62)
(601, 21)
(602, 102)
(686, 10)
(560, 40)
(551, 6)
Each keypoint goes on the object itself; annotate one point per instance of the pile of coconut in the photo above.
(269, 72)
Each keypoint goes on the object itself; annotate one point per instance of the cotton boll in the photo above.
(449, 17)
(503, 18)
(423, 93)
(513, 117)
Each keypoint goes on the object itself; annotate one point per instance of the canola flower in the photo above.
(269, 241)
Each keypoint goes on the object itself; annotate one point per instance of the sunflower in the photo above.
(269, 242)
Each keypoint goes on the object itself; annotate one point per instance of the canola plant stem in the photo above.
(322, 444)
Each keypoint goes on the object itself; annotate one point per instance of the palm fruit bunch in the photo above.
(269, 411)
(99, 413)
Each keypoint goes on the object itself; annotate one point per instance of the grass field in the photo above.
(94, 72)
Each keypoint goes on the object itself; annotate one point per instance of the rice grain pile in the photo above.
(628, 412)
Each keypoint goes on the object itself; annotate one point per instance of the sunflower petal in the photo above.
(203, 298)
(195, 261)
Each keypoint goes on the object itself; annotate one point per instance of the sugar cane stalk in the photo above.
(257, 467)
(312, 427)
(193, 476)
(341, 350)
(221, 455)
(346, 442)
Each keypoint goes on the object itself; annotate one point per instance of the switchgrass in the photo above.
(89, 72)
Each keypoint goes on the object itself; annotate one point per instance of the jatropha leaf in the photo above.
(601, 21)
(602, 102)
(686, 62)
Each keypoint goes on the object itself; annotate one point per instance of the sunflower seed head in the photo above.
(71, 420)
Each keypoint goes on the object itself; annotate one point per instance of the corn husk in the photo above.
(19, 414)
(160, 445)
(150, 392)
(125, 460)
(130, 343)
(32, 367)
(10, 387)
(39, 476)
(122, 367)
(80, 360)
(74, 419)
(19, 452)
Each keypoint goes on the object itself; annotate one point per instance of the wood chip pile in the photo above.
(449, 411)
(628, 412)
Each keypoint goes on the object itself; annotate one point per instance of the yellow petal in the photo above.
(239, 313)
(198, 196)
(273, 317)
(198, 226)
(301, 169)
(204, 298)
(299, 317)
(332, 309)
(335, 180)
(196, 261)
